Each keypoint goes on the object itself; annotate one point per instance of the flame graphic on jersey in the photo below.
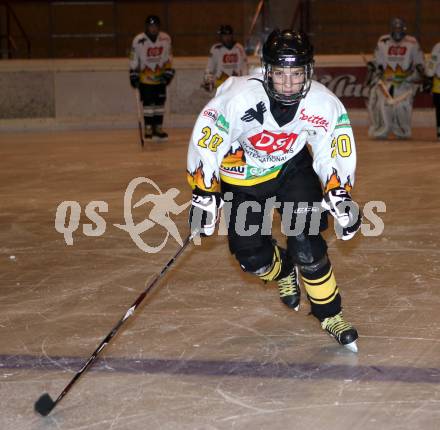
(348, 186)
(335, 182)
(234, 159)
(197, 179)
(154, 76)
(398, 74)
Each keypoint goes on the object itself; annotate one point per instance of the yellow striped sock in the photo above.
(322, 290)
(274, 269)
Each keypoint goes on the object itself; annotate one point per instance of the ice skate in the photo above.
(290, 292)
(342, 331)
(159, 133)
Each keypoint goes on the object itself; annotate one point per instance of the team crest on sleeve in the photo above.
(210, 113)
(343, 121)
(252, 114)
(222, 124)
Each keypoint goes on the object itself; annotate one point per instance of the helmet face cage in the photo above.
(398, 29)
(286, 50)
(280, 96)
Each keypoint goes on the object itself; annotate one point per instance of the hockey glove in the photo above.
(168, 76)
(204, 213)
(134, 79)
(345, 211)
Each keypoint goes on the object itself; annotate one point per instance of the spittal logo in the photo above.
(316, 120)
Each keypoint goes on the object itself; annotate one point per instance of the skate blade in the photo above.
(352, 346)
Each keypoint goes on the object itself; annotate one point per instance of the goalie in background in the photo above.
(399, 65)
(433, 72)
(226, 58)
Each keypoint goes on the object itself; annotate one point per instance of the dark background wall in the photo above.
(63, 29)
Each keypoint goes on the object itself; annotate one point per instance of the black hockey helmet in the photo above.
(152, 20)
(152, 27)
(225, 29)
(398, 29)
(287, 49)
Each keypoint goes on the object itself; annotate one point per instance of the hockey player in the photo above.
(226, 58)
(433, 70)
(151, 72)
(400, 64)
(249, 143)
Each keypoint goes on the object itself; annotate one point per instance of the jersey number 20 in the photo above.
(209, 142)
(341, 145)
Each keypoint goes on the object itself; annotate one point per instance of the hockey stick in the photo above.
(402, 97)
(392, 101)
(140, 117)
(44, 405)
(383, 88)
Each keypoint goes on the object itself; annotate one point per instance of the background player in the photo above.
(250, 143)
(151, 72)
(433, 70)
(226, 58)
(400, 63)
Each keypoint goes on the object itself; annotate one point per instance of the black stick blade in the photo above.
(44, 405)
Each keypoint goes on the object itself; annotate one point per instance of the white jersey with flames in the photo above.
(224, 62)
(433, 68)
(398, 59)
(150, 58)
(236, 138)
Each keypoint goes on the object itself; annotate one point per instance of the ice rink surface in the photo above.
(212, 347)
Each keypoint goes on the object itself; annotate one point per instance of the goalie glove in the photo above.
(345, 211)
(204, 213)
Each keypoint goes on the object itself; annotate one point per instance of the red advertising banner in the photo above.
(348, 83)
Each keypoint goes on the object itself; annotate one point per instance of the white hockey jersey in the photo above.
(236, 138)
(224, 62)
(150, 58)
(433, 68)
(398, 59)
